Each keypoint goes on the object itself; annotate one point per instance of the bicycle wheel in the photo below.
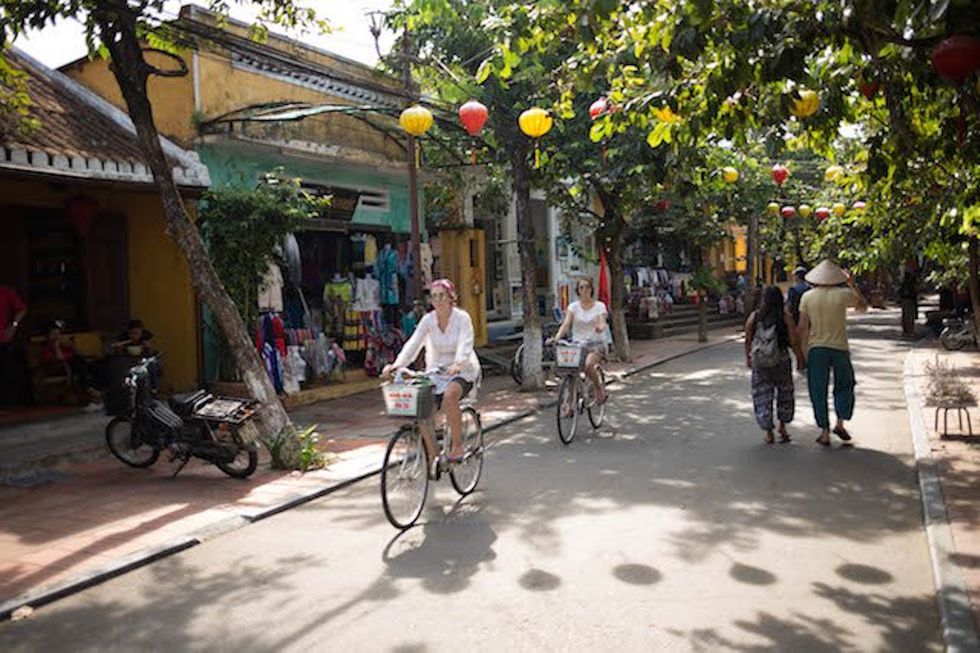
(517, 366)
(597, 412)
(466, 475)
(126, 444)
(404, 477)
(567, 409)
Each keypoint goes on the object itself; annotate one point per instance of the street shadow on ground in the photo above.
(901, 621)
(443, 553)
(161, 617)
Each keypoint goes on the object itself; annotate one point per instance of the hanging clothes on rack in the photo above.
(386, 270)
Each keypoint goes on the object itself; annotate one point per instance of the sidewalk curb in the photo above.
(956, 617)
(46, 595)
(52, 593)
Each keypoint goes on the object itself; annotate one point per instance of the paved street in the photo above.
(674, 527)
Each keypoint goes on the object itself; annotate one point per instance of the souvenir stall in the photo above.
(336, 305)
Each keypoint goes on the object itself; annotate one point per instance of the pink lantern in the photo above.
(822, 213)
(599, 108)
(859, 206)
(788, 211)
(779, 174)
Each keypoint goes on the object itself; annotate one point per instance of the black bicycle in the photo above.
(576, 394)
(411, 456)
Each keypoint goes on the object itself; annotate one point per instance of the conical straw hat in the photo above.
(827, 273)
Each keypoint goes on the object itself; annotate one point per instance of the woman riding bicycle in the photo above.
(587, 320)
(447, 335)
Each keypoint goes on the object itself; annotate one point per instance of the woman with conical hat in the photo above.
(823, 333)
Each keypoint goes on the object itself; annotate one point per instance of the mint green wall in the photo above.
(234, 166)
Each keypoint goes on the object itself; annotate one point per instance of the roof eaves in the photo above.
(190, 172)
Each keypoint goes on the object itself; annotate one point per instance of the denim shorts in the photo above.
(467, 387)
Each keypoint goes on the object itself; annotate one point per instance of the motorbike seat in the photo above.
(185, 402)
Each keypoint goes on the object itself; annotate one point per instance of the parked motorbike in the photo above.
(219, 430)
(958, 333)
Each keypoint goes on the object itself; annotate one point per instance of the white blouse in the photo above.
(584, 322)
(443, 348)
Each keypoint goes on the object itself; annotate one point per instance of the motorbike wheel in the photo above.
(517, 366)
(245, 462)
(126, 444)
(951, 340)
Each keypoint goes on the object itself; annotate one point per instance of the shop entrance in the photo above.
(69, 269)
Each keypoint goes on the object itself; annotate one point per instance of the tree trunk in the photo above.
(702, 317)
(974, 281)
(118, 32)
(533, 373)
(750, 268)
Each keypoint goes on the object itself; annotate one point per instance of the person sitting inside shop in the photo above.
(59, 357)
(135, 341)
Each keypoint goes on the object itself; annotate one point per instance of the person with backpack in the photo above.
(795, 293)
(769, 335)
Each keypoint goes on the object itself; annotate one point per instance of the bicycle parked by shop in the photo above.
(420, 451)
(576, 394)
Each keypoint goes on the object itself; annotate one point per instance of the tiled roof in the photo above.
(82, 135)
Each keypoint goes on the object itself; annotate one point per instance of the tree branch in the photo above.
(182, 70)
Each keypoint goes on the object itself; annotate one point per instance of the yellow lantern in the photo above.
(806, 105)
(535, 122)
(805, 211)
(416, 120)
(839, 209)
(773, 208)
(729, 174)
(833, 173)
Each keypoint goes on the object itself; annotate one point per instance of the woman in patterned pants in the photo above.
(769, 335)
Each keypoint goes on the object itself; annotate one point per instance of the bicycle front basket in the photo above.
(408, 399)
(569, 358)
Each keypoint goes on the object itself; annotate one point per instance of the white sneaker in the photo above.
(92, 408)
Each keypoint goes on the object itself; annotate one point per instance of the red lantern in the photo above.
(473, 115)
(868, 89)
(81, 211)
(663, 205)
(788, 211)
(779, 174)
(956, 57)
(822, 213)
(599, 108)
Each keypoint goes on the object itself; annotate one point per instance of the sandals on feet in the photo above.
(785, 437)
(770, 439)
(842, 433)
(822, 442)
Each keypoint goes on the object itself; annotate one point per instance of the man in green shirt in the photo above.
(823, 333)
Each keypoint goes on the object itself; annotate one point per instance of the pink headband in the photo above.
(446, 285)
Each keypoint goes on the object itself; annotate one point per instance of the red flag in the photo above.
(604, 294)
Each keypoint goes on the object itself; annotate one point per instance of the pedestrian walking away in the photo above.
(769, 336)
(795, 293)
(823, 332)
